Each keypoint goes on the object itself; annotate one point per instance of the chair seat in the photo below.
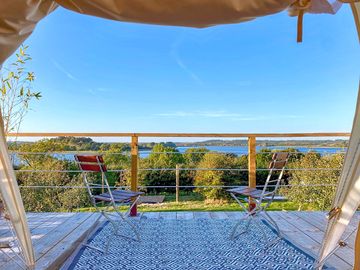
(127, 192)
(246, 191)
(122, 196)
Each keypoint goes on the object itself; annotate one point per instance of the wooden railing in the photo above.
(251, 137)
(190, 135)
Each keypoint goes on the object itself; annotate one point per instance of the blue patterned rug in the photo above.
(191, 244)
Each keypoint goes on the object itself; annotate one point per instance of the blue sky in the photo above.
(98, 75)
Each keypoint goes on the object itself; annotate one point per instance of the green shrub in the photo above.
(315, 186)
(209, 177)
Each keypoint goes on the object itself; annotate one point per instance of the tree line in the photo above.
(199, 168)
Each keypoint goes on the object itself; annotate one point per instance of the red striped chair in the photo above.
(105, 199)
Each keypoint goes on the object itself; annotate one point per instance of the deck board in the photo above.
(56, 235)
(317, 220)
(202, 215)
(184, 215)
(168, 215)
(218, 215)
(309, 237)
(66, 245)
(47, 231)
(152, 215)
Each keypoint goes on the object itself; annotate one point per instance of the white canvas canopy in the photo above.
(18, 18)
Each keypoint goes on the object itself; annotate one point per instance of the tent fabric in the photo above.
(347, 198)
(191, 13)
(356, 12)
(315, 6)
(12, 199)
(18, 18)
(324, 6)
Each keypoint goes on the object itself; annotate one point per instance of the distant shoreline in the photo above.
(270, 143)
(336, 143)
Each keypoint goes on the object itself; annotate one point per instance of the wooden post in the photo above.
(177, 174)
(357, 250)
(252, 165)
(134, 169)
(102, 182)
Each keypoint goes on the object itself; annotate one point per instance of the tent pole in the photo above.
(134, 169)
(12, 200)
(252, 167)
(357, 250)
(355, 7)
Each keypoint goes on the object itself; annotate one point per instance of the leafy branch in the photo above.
(16, 91)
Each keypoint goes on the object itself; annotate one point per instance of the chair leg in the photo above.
(243, 207)
(127, 221)
(21, 263)
(133, 228)
(272, 222)
(87, 237)
(251, 216)
(261, 229)
(247, 217)
(115, 227)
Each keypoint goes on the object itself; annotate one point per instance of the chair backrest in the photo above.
(279, 160)
(276, 172)
(93, 164)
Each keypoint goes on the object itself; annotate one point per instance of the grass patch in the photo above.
(195, 202)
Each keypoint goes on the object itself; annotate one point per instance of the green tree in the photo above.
(50, 172)
(211, 174)
(17, 91)
(158, 169)
(315, 182)
(193, 156)
(39, 167)
(115, 158)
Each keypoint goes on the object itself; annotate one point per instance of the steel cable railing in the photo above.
(210, 186)
(67, 156)
(186, 169)
(180, 153)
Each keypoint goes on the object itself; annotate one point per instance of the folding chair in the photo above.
(108, 200)
(266, 195)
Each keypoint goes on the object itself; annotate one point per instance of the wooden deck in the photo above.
(56, 235)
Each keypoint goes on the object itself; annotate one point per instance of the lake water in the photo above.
(243, 150)
(237, 150)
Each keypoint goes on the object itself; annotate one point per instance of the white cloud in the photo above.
(102, 89)
(207, 114)
(63, 70)
(175, 54)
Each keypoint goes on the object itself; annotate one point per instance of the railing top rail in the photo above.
(199, 135)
